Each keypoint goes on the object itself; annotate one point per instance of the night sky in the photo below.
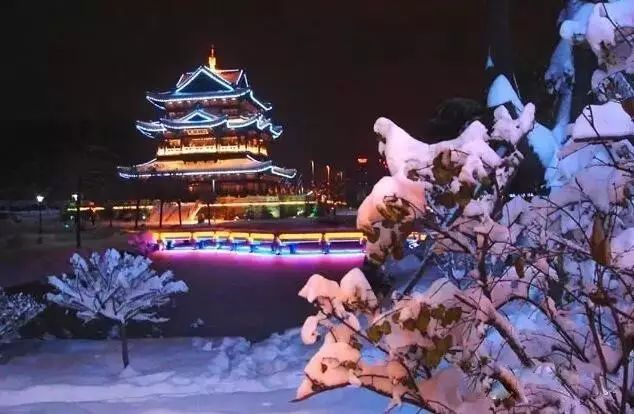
(330, 68)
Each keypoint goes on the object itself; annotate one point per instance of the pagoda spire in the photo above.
(212, 58)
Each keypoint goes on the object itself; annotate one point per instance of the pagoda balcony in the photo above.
(212, 149)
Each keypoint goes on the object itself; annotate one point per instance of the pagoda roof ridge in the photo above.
(207, 77)
(231, 76)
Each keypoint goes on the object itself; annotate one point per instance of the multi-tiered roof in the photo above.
(212, 126)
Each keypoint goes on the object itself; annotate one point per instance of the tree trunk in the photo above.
(78, 214)
(180, 217)
(161, 214)
(124, 345)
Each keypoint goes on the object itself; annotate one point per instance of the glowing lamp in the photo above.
(39, 198)
(362, 160)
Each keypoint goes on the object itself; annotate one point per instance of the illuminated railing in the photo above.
(260, 242)
(336, 242)
(212, 149)
(101, 208)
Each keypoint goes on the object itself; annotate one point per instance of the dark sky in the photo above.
(330, 68)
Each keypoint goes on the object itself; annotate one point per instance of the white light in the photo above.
(209, 74)
(74, 196)
(273, 169)
(39, 198)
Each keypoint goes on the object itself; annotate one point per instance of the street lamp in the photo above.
(312, 170)
(40, 199)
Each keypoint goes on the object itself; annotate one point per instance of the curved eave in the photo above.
(261, 123)
(267, 167)
(264, 105)
(159, 99)
(284, 172)
(179, 126)
(150, 129)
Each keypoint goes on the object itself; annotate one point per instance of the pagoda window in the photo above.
(173, 143)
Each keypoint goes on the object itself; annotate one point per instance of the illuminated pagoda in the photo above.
(214, 137)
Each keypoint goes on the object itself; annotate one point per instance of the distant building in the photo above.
(213, 140)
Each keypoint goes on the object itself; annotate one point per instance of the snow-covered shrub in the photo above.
(15, 311)
(119, 287)
(542, 321)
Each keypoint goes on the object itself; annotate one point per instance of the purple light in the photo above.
(344, 253)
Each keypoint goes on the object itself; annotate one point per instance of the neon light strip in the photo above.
(99, 208)
(308, 237)
(193, 124)
(198, 98)
(259, 203)
(305, 237)
(150, 126)
(261, 123)
(194, 173)
(242, 74)
(278, 171)
(266, 108)
(308, 255)
(209, 74)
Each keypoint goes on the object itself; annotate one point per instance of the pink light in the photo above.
(263, 254)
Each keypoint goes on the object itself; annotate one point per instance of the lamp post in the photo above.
(40, 199)
(312, 171)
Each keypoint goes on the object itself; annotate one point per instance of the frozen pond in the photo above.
(243, 294)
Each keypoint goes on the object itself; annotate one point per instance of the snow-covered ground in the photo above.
(178, 375)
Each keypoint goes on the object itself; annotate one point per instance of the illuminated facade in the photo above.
(213, 137)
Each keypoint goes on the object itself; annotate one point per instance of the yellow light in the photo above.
(95, 208)
(99, 208)
(300, 236)
(203, 235)
(239, 235)
(348, 235)
(218, 234)
(260, 203)
(176, 235)
(262, 236)
(148, 207)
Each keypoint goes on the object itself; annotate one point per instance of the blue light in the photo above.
(343, 253)
(266, 108)
(200, 97)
